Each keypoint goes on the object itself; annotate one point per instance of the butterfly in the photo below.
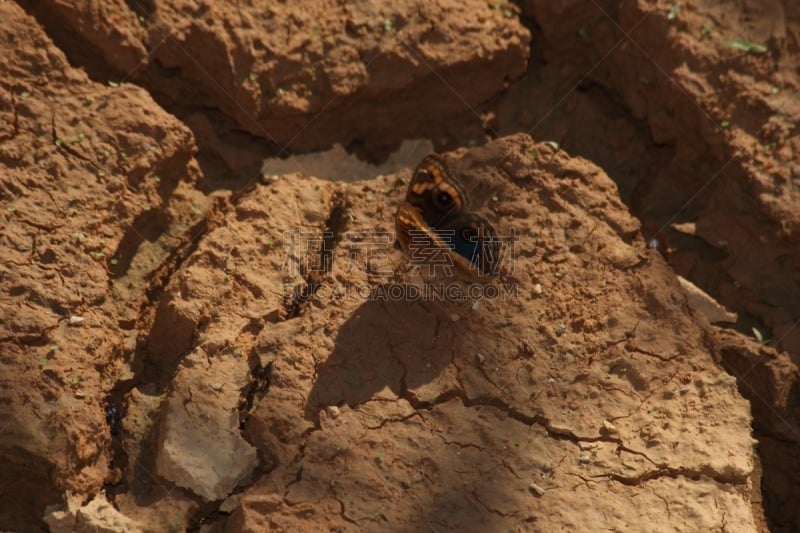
(435, 226)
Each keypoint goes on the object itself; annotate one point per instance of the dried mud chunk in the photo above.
(306, 75)
(74, 175)
(378, 402)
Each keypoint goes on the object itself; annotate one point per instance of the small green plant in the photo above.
(706, 29)
(746, 46)
(194, 209)
(673, 13)
(42, 362)
(253, 76)
(59, 142)
(106, 152)
(147, 207)
(281, 92)
(54, 347)
(583, 34)
(775, 89)
(79, 139)
(114, 261)
(725, 123)
(560, 329)
(24, 94)
(156, 178)
(114, 83)
(387, 25)
(76, 380)
(315, 31)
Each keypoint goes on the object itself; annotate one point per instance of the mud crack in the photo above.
(14, 117)
(342, 508)
(661, 470)
(63, 146)
(260, 377)
(323, 263)
(672, 472)
(490, 509)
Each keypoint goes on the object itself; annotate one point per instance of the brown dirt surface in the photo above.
(196, 334)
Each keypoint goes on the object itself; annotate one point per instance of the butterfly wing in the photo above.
(407, 221)
(468, 239)
(473, 238)
(433, 218)
(435, 192)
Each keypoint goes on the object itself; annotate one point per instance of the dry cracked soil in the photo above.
(206, 324)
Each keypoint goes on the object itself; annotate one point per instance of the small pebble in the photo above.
(537, 289)
(75, 320)
(609, 427)
(535, 489)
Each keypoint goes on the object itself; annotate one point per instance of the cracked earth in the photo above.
(169, 362)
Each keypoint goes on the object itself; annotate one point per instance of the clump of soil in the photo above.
(171, 360)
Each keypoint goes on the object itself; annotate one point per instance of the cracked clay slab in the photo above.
(586, 399)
